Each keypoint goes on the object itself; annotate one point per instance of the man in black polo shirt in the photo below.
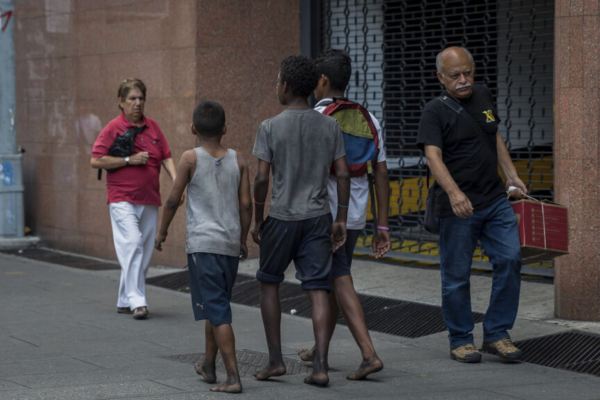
(463, 150)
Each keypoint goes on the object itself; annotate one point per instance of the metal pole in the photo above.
(11, 187)
(7, 78)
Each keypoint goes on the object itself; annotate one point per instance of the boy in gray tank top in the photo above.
(299, 145)
(219, 213)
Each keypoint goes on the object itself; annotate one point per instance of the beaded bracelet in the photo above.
(383, 228)
(341, 206)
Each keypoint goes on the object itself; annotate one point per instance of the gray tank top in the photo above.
(213, 218)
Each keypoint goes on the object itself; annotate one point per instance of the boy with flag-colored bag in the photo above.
(365, 155)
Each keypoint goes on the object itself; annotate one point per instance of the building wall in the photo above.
(71, 56)
(576, 144)
(7, 81)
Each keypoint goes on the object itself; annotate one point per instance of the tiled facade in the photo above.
(576, 168)
(71, 56)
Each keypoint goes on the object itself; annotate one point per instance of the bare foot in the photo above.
(227, 387)
(307, 355)
(270, 371)
(319, 379)
(366, 368)
(207, 371)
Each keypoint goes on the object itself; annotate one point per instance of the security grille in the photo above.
(571, 351)
(357, 27)
(393, 45)
(67, 260)
(396, 317)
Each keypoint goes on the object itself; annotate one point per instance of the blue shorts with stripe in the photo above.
(211, 280)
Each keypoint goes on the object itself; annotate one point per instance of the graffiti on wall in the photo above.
(6, 17)
(6, 173)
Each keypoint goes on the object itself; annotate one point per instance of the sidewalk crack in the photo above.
(24, 341)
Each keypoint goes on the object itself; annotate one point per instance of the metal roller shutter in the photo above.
(393, 45)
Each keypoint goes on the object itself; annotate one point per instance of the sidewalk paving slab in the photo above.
(61, 338)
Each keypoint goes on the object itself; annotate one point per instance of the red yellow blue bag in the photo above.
(360, 135)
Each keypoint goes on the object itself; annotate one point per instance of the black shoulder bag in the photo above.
(431, 223)
(123, 146)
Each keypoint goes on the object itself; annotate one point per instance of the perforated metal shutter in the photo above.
(356, 27)
(393, 45)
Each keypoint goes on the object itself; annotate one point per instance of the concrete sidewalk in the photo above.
(60, 338)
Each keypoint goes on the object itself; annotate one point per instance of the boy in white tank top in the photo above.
(219, 212)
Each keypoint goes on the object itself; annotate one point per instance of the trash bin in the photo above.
(12, 220)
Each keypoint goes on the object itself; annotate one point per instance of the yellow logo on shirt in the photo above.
(489, 117)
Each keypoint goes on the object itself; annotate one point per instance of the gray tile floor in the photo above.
(61, 338)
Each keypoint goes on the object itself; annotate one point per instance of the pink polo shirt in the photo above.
(136, 184)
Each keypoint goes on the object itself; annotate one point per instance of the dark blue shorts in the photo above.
(211, 278)
(342, 258)
(306, 242)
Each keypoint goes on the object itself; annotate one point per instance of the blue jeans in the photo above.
(496, 227)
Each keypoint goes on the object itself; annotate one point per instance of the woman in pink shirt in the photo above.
(133, 192)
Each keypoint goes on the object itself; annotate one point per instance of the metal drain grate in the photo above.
(179, 281)
(248, 362)
(63, 259)
(571, 351)
(396, 317)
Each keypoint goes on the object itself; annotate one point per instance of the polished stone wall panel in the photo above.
(576, 156)
(69, 63)
(238, 67)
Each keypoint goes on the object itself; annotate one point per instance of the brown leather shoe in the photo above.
(466, 354)
(124, 310)
(140, 313)
(504, 348)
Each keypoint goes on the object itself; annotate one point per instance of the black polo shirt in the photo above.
(470, 156)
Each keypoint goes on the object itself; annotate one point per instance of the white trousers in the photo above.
(134, 229)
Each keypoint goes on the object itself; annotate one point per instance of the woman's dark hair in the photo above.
(336, 65)
(300, 73)
(127, 85)
(209, 118)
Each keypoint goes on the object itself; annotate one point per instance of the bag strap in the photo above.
(137, 129)
(342, 98)
(453, 105)
(333, 100)
(457, 108)
(371, 183)
(324, 104)
(434, 183)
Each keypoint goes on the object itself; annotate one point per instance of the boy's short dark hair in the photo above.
(336, 65)
(209, 118)
(300, 73)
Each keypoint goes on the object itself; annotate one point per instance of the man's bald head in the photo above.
(456, 71)
(451, 52)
